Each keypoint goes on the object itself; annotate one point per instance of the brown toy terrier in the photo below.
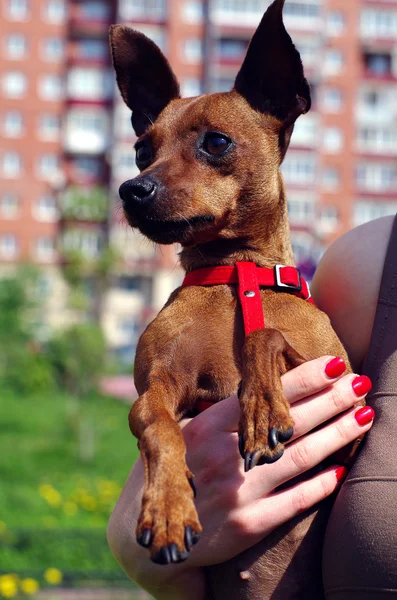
(210, 180)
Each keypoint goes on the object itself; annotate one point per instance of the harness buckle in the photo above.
(289, 287)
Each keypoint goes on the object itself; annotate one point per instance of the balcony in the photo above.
(90, 18)
(87, 131)
(142, 11)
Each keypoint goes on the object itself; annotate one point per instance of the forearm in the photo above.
(171, 582)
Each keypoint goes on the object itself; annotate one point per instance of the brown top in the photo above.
(360, 550)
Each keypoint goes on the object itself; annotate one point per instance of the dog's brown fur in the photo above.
(222, 210)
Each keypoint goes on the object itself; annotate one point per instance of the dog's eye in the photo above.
(216, 144)
(143, 156)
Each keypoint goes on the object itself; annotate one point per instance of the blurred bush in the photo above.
(77, 355)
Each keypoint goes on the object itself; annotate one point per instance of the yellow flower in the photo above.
(88, 502)
(70, 508)
(53, 576)
(8, 586)
(29, 586)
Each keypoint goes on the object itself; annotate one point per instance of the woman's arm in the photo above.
(346, 284)
(236, 509)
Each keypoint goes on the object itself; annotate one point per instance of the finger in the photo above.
(287, 504)
(335, 399)
(311, 377)
(309, 451)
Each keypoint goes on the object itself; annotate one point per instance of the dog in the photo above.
(210, 180)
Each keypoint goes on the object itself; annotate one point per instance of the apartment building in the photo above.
(67, 142)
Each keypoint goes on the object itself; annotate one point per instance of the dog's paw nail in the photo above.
(191, 538)
(163, 557)
(176, 555)
(241, 446)
(269, 460)
(273, 437)
(285, 436)
(145, 539)
(193, 486)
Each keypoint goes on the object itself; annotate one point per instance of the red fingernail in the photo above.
(361, 385)
(340, 474)
(364, 415)
(335, 368)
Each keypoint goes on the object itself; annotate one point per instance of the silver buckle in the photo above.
(290, 287)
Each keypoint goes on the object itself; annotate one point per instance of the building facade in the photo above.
(67, 142)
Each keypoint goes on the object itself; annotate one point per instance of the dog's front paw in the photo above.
(168, 524)
(262, 442)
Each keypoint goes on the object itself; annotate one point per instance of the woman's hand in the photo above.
(238, 509)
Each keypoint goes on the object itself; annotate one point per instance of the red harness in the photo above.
(249, 279)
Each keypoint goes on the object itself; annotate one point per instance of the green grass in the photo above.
(46, 488)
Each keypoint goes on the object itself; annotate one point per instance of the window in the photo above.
(92, 50)
(328, 219)
(95, 10)
(14, 84)
(378, 64)
(90, 84)
(193, 50)
(16, 46)
(330, 178)
(334, 61)
(332, 100)
(299, 168)
(89, 242)
(192, 11)
(48, 166)
(333, 139)
(13, 125)
(45, 209)
(44, 248)
(377, 139)
(191, 87)
(50, 87)
(131, 10)
(300, 209)
(55, 11)
(87, 130)
(377, 177)
(17, 10)
(231, 48)
(222, 84)
(87, 167)
(305, 131)
(49, 127)
(11, 164)
(53, 49)
(378, 23)
(9, 206)
(367, 210)
(8, 246)
(302, 9)
(335, 23)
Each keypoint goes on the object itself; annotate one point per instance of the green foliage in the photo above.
(78, 357)
(53, 507)
(85, 204)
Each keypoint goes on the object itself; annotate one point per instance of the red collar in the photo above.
(249, 278)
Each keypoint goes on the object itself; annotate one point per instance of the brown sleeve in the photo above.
(360, 548)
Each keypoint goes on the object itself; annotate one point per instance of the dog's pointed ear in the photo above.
(271, 78)
(144, 76)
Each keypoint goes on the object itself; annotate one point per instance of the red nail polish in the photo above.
(364, 415)
(335, 368)
(340, 474)
(361, 385)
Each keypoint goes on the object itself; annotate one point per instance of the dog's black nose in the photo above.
(138, 189)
